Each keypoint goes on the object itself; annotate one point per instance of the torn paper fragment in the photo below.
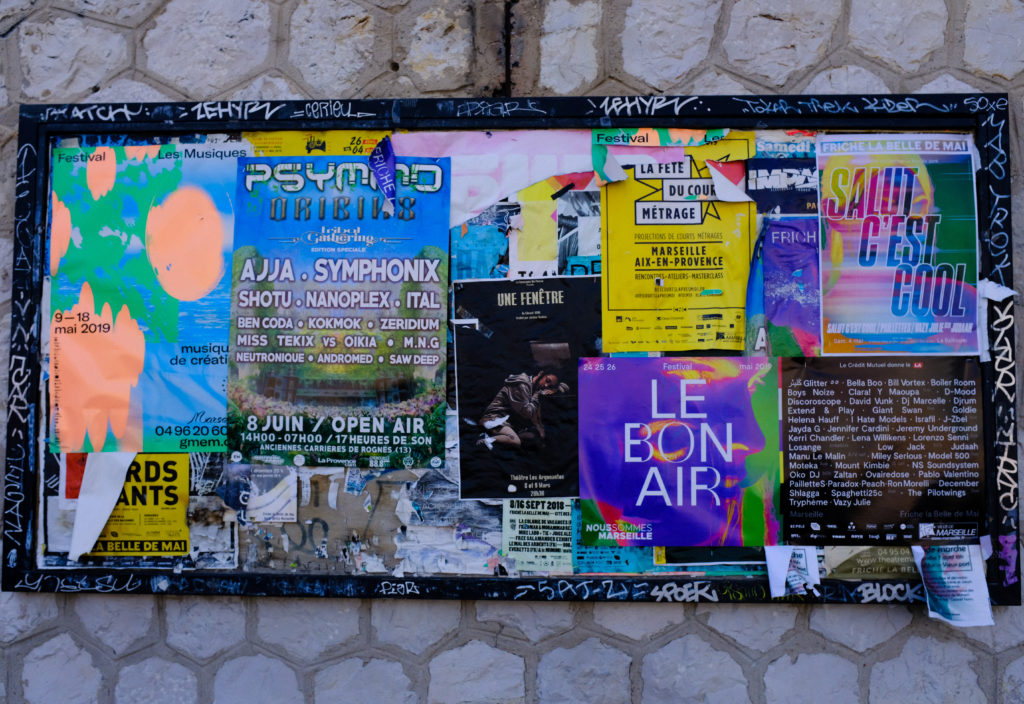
(537, 534)
(729, 178)
(988, 291)
(792, 570)
(101, 486)
(382, 163)
(954, 584)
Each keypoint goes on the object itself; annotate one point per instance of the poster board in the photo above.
(342, 428)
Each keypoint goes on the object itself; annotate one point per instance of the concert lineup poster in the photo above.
(674, 262)
(899, 256)
(139, 250)
(149, 517)
(792, 304)
(882, 450)
(679, 451)
(337, 347)
(516, 349)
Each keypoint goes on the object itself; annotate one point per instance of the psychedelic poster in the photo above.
(337, 346)
(139, 243)
(899, 255)
(687, 455)
(792, 304)
(674, 259)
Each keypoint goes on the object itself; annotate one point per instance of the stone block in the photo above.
(756, 626)
(20, 614)
(1011, 684)
(255, 679)
(637, 621)
(592, 672)
(830, 677)
(477, 673)
(225, 41)
(568, 46)
(652, 47)
(60, 670)
(935, 671)
(129, 91)
(156, 681)
(775, 40)
(126, 12)
(201, 627)
(355, 682)
(857, 627)
(946, 84)
(331, 44)
(48, 46)
(414, 625)
(690, 667)
(846, 79)
(994, 37)
(536, 620)
(267, 87)
(910, 33)
(117, 621)
(439, 51)
(307, 628)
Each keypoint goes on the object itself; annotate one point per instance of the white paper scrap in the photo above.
(102, 482)
(954, 584)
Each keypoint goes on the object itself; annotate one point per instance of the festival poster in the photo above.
(882, 451)
(674, 269)
(792, 304)
(687, 455)
(150, 515)
(140, 239)
(516, 348)
(537, 534)
(337, 346)
(899, 254)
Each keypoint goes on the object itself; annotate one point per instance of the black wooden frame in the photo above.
(986, 115)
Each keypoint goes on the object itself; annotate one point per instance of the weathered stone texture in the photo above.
(129, 91)
(717, 83)
(933, 670)
(946, 84)
(48, 47)
(331, 44)
(1011, 686)
(757, 626)
(830, 677)
(59, 670)
(156, 681)
(859, 628)
(536, 620)
(591, 672)
(414, 625)
(846, 79)
(901, 34)
(255, 679)
(13, 11)
(994, 37)
(20, 614)
(691, 666)
(354, 682)
(268, 88)
(322, 625)
(652, 49)
(116, 621)
(202, 627)
(440, 46)
(637, 621)
(568, 45)
(127, 12)
(476, 672)
(223, 41)
(775, 40)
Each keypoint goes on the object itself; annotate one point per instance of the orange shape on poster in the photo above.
(184, 236)
(101, 172)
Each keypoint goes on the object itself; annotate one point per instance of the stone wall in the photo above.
(129, 649)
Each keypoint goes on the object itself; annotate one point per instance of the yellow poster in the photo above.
(150, 515)
(327, 142)
(675, 264)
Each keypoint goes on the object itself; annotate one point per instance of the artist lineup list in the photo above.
(882, 450)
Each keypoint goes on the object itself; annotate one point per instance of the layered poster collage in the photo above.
(551, 352)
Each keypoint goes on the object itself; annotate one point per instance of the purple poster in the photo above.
(679, 451)
(792, 300)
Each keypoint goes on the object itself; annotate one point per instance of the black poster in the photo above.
(516, 349)
(882, 451)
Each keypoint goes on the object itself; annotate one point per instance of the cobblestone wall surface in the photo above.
(131, 649)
